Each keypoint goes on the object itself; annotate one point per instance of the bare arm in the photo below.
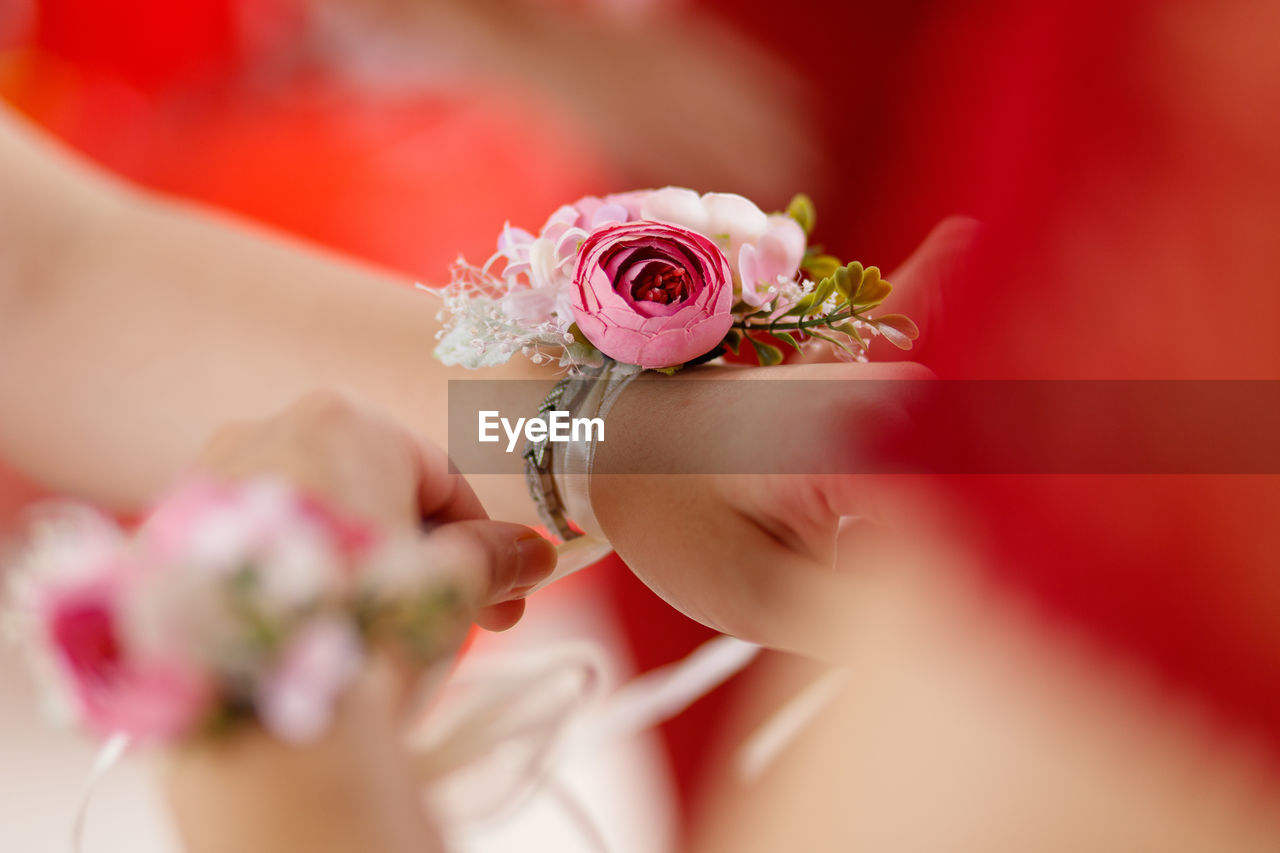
(133, 326)
(130, 326)
(353, 788)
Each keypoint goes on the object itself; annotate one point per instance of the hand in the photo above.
(920, 284)
(752, 555)
(373, 470)
(353, 788)
(748, 554)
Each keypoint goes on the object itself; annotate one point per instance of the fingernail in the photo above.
(536, 558)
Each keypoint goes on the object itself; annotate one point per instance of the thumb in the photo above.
(922, 281)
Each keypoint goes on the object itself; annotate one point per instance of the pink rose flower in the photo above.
(71, 586)
(563, 232)
(652, 294)
(764, 251)
(114, 691)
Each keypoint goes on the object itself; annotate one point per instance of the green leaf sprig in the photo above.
(835, 310)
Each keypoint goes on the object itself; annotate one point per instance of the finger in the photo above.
(364, 460)
(374, 461)
(508, 559)
(443, 495)
(500, 617)
(921, 282)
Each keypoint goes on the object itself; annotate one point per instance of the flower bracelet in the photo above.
(231, 602)
(652, 280)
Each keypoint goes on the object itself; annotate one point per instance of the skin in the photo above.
(354, 785)
(210, 320)
(132, 327)
(968, 722)
(373, 469)
(953, 685)
(740, 551)
(355, 782)
(947, 679)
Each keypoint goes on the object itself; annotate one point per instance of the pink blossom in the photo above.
(114, 691)
(592, 212)
(73, 584)
(297, 698)
(213, 525)
(652, 294)
(570, 225)
(193, 513)
(764, 252)
(772, 261)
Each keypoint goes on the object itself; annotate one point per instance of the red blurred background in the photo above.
(1121, 156)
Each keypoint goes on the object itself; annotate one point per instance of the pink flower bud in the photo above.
(652, 294)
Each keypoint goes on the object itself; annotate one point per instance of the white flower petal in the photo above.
(677, 206)
(728, 213)
(542, 259)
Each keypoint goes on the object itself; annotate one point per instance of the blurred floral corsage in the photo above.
(232, 602)
(660, 279)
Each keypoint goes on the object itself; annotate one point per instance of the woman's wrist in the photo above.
(350, 790)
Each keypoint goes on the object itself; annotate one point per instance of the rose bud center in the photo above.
(662, 283)
(88, 641)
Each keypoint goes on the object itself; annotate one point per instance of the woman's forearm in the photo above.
(133, 326)
(352, 790)
(48, 199)
(153, 322)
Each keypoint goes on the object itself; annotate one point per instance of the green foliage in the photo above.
(581, 351)
(788, 338)
(871, 290)
(803, 307)
(856, 290)
(862, 286)
(820, 266)
(850, 330)
(897, 329)
(767, 354)
(839, 343)
(822, 292)
(847, 279)
(801, 209)
(813, 301)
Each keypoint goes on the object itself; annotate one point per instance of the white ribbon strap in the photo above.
(108, 756)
